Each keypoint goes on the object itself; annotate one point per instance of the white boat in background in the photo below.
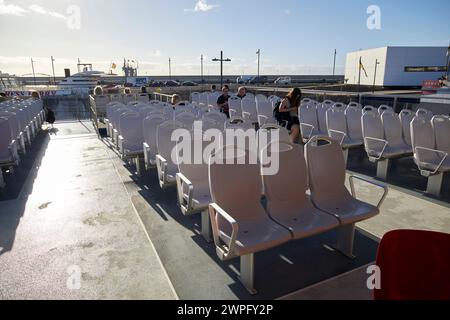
(82, 82)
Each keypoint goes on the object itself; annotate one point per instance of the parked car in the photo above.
(258, 80)
(243, 79)
(171, 83)
(189, 84)
(283, 81)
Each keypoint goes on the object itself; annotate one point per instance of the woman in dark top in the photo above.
(222, 101)
(290, 104)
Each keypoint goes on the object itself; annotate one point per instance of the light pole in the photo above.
(32, 68)
(448, 62)
(53, 69)
(259, 59)
(170, 69)
(201, 68)
(334, 63)
(375, 75)
(222, 60)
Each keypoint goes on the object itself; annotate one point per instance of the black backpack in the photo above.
(281, 117)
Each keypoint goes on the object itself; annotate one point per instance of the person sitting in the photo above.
(242, 92)
(126, 91)
(35, 95)
(222, 101)
(213, 88)
(143, 89)
(98, 91)
(290, 104)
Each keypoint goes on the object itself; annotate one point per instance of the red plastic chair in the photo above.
(414, 265)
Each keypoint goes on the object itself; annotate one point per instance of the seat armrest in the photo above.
(225, 253)
(418, 151)
(377, 184)
(181, 181)
(367, 142)
(14, 151)
(121, 140)
(161, 165)
(341, 135)
(311, 127)
(262, 119)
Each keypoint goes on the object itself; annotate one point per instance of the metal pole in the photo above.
(201, 68)
(448, 63)
(359, 75)
(170, 69)
(259, 57)
(221, 68)
(334, 63)
(53, 68)
(32, 68)
(375, 75)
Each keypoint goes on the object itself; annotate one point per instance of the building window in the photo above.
(426, 69)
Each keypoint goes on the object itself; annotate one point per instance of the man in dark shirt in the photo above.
(222, 101)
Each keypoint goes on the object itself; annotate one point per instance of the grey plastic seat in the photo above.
(326, 167)
(131, 138)
(406, 116)
(116, 98)
(265, 112)
(261, 98)
(383, 108)
(143, 97)
(8, 148)
(14, 124)
(355, 104)
(394, 134)
(186, 118)
(235, 107)
(431, 144)
(240, 225)
(287, 201)
(322, 109)
(167, 169)
(353, 115)
(127, 98)
(212, 100)
(249, 111)
(150, 126)
(216, 116)
(424, 113)
(307, 115)
(270, 133)
(195, 98)
(238, 123)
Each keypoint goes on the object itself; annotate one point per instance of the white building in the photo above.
(398, 66)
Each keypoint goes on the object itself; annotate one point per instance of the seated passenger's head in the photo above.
(176, 99)
(127, 90)
(225, 90)
(35, 95)
(242, 91)
(143, 90)
(98, 91)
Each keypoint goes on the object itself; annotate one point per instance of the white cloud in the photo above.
(41, 10)
(157, 53)
(11, 9)
(202, 6)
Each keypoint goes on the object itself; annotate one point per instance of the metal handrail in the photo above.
(159, 96)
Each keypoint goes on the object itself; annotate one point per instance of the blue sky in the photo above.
(295, 36)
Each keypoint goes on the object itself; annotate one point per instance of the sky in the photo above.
(295, 36)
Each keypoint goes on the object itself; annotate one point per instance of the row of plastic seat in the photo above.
(20, 122)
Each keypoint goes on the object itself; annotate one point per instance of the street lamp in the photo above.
(259, 57)
(53, 68)
(448, 61)
(32, 68)
(375, 74)
(222, 60)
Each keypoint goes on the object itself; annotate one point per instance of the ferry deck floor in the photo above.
(74, 209)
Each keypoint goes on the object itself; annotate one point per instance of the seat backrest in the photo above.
(355, 104)
(322, 109)
(238, 123)
(328, 103)
(372, 126)
(326, 168)
(101, 100)
(143, 97)
(149, 128)
(422, 134)
(424, 113)
(406, 117)
(235, 187)
(286, 191)
(117, 98)
(260, 98)
(216, 116)
(336, 120)
(269, 133)
(145, 111)
(306, 101)
(339, 105)
(187, 118)
(164, 142)
(195, 98)
(212, 99)
(127, 98)
(354, 127)
(13, 120)
(131, 130)
(203, 98)
(249, 109)
(414, 265)
(264, 108)
(441, 127)
(384, 108)
(235, 103)
(307, 113)
(5, 139)
(392, 128)
(116, 117)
